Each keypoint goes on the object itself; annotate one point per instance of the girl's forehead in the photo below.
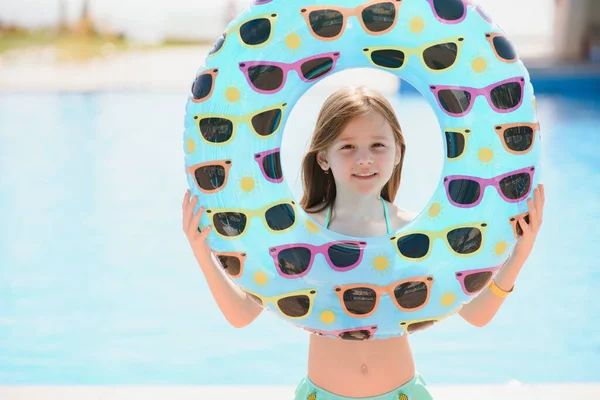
(370, 126)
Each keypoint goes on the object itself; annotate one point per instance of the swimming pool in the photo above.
(98, 286)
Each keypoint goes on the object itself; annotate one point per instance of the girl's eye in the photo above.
(346, 146)
(378, 144)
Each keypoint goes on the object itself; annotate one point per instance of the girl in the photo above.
(350, 176)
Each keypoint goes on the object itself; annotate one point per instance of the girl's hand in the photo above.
(531, 229)
(190, 225)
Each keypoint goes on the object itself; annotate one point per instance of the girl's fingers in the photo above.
(539, 206)
(187, 213)
(186, 200)
(543, 193)
(193, 225)
(205, 232)
(525, 227)
(533, 216)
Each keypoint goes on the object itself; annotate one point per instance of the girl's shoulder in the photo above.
(399, 216)
(318, 216)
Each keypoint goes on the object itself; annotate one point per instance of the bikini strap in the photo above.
(328, 217)
(387, 218)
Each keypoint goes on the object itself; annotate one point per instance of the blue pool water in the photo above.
(98, 285)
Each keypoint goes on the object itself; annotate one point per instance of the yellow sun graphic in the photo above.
(485, 155)
(312, 395)
(311, 228)
(414, 26)
(293, 42)
(232, 94)
(448, 299)
(327, 317)
(381, 263)
(435, 210)
(190, 145)
(479, 64)
(500, 248)
(246, 184)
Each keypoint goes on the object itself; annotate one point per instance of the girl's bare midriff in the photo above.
(360, 368)
(368, 367)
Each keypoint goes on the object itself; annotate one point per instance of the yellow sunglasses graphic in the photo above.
(436, 56)
(295, 305)
(220, 129)
(277, 217)
(463, 240)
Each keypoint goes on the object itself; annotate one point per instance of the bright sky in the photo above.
(517, 17)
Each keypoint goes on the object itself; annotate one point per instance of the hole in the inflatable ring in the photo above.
(421, 167)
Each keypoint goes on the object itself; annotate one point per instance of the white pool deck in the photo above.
(450, 392)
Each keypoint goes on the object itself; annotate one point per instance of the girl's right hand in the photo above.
(190, 225)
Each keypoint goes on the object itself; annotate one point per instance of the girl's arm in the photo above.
(482, 308)
(237, 307)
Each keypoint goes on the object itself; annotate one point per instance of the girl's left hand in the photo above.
(531, 229)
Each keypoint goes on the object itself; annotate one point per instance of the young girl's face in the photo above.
(365, 147)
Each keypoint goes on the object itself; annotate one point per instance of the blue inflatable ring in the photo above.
(352, 287)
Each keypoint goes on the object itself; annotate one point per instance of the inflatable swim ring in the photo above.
(329, 283)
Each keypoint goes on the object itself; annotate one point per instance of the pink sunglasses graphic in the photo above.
(295, 260)
(269, 162)
(503, 97)
(268, 77)
(454, 11)
(259, 2)
(473, 281)
(361, 333)
(467, 191)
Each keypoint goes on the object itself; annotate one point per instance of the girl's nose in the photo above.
(364, 157)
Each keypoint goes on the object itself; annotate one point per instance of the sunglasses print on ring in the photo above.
(254, 33)
(473, 281)
(503, 97)
(436, 57)
(361, 300)
(268, 77)
(232, 262)
(502, 47)
(220, 129)
(360, 333)
(294, 305)
(467, 191)
(454, 11)
(269, 162)
(295, 260)
(464, 240)
(517, 138)
(327, 23)
(210, 176)
(203, 85)
(277, 217)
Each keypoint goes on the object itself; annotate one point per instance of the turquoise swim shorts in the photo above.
(415, 389)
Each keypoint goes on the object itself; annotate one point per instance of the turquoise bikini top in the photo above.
(385, 212)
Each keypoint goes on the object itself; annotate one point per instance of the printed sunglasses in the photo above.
(464, 240)
(436, 57)
(277, 217)
(203, 85)
(456, 142)
(361, 300)
(327, 23)
(514, 222)
(360, 333)
(268, 77)
(210, 176)
(454, 11)
(232, 262)
(473, 281)
(503, 97)
(295, 305)
(503, 48)
(418, 325)
(220, 129)
(467, 191)
(254, 33)
(269, 162)
(295, 260)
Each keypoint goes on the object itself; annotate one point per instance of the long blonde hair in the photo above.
(337, 111)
